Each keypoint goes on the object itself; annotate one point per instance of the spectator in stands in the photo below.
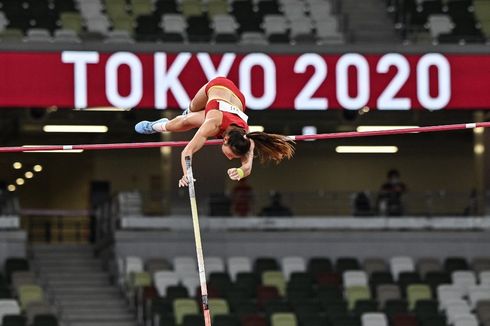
(362, 204)
(276, 208)
(472, 208)
(217, 110)
(390, 195)
(241, 198)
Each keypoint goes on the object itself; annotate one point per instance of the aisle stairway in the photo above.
(368, 21)
(79, 287)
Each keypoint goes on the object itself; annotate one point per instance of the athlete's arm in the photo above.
(246, 167)
(209, 128)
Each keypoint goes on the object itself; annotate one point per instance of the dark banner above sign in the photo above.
(309, 81)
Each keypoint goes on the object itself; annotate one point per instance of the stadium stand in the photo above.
(310, 22)
(441, 21)
(259, 291)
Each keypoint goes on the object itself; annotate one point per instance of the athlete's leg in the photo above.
(179, 123)
(190, 119)
(198, 103)
(185, 122)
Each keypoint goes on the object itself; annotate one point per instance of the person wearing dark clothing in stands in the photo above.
(390, 195)
(276, 208)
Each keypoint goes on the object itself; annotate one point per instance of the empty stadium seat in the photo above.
(218, 307)
(401, 264)
(463, 280)
(214, 264)
(163, 279)
(481, 264)
(238, 264)
(452, 264)
(191, 282)
(9, 307)
(373, 264)
(283, 319)
(45, 320)
(395, 307)
(416, 292)
(385, 292)
(290, 265)
(477, 294)
(226, 320)
(275, 279)
(427, 265)
(354, 278)
(185, 264)
(447, 293)
(14, 320)
(355, 293)
(184, 307)
(66, 36)
(319, 265)
(30, 293)
(276, 28)
(13, 264)
(374, 319)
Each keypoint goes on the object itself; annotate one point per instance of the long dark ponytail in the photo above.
(268, 147)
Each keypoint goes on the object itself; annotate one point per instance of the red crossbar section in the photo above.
(337, 135)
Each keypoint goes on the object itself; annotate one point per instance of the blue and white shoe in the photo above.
(146, 127)
(186, 111)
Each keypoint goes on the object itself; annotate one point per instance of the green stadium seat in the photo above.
(123, 23)
(355, 293)
(184, 307)
(218, 307)
(416, 292)
(141, 7)
(139, 279)
(30, 293)
(217, 7)
(72, 21)
(114, 9)
(283, 319)
(276, 279)
(191, 8)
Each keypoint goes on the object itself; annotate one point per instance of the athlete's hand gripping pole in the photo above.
(197, 237)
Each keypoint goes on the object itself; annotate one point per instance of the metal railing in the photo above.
(315, 203)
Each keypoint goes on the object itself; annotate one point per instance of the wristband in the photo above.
(240, 172)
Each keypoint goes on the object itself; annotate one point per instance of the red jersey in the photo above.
(238, 118)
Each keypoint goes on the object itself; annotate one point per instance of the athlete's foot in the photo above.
(151, 127)
(186, 111)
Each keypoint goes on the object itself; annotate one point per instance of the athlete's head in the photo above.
(268, 147)
(235, 143)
